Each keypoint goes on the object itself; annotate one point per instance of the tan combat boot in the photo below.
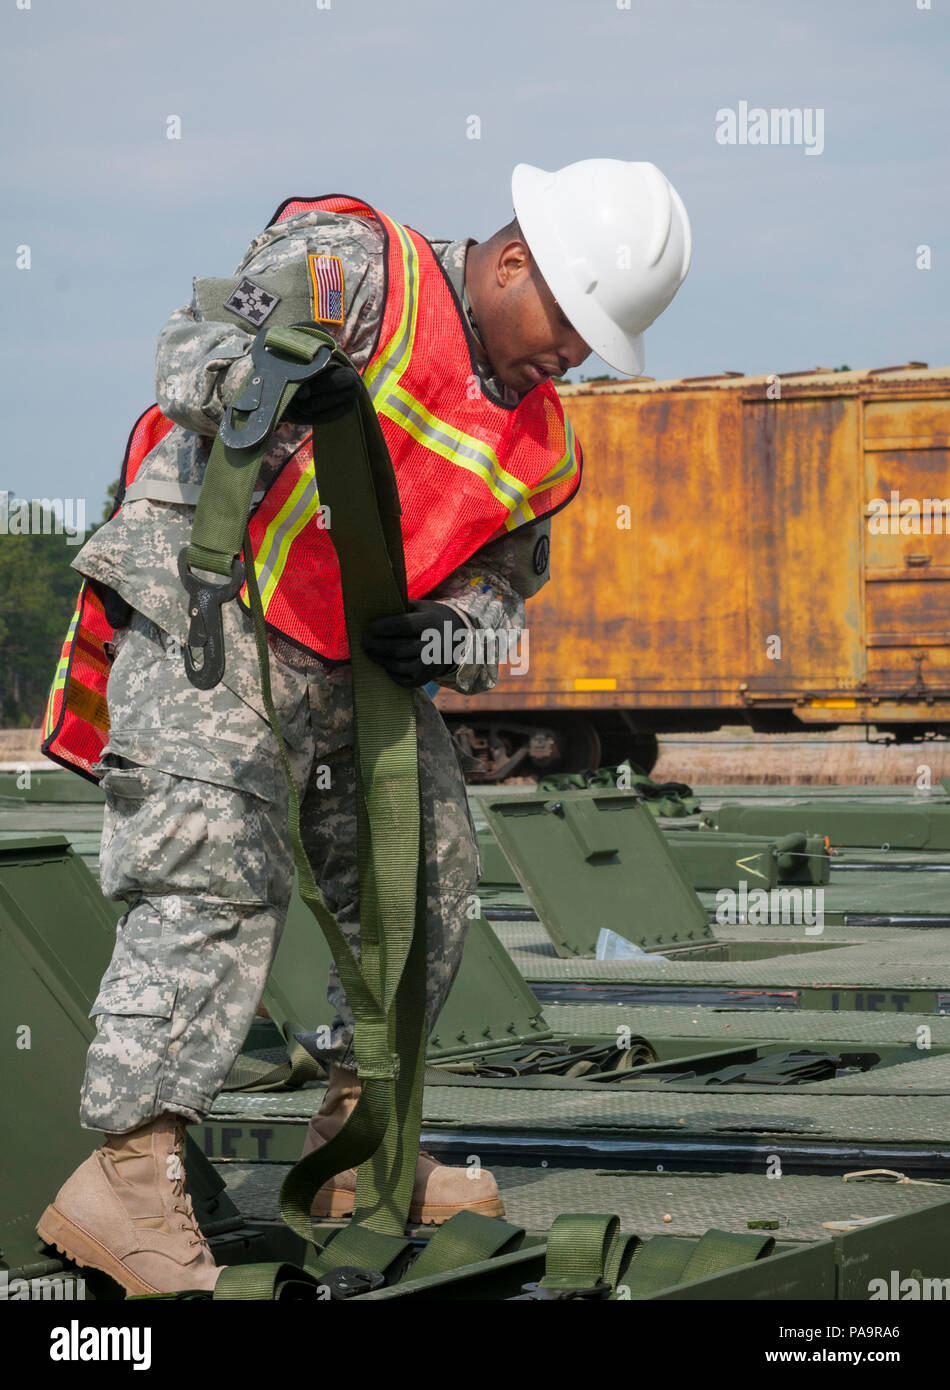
(125, 1212)
(437, 1193)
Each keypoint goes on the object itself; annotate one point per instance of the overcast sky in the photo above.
(800, 259)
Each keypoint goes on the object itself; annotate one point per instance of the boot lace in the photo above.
(176, 1175)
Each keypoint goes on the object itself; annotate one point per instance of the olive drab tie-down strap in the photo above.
(589, 1257)
(386, 987)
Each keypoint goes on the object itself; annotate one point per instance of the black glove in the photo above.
(398, 645)
(326, 396)
(118, 612)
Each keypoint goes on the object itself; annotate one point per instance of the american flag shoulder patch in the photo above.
(326, 276)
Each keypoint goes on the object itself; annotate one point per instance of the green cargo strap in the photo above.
(251, 1073)
(587, 1254)
(358, 1245)
(463, 1239)
(619, 1260)
(386, 988)
(779, 1069)
(579, 1249)
(657, 1264)
(265, 1281)
(719, 1250)
(665, 1261)
(671, 799)
(228, 485)
(558, 1059)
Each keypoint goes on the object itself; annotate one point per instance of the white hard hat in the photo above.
(611, 239)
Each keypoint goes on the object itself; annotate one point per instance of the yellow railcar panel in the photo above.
(719, 552)
(906, 419)
(648, 564)
(805, 533)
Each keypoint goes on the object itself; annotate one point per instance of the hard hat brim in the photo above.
(622, 351)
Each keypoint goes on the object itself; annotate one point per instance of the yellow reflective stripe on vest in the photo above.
(383, 373)
(397, 404)
(271, 559)
(59, 679)
(304, 501)
(565, 467)
(454, 445)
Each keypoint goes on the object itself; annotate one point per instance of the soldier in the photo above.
(194, 838)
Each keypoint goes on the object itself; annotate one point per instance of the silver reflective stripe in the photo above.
(168, 490)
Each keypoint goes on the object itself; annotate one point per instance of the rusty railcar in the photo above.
(770, 549)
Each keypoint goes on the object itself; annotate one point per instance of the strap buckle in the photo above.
(544, 1293)
(349, 1281)
(206, 631)
(260, 395)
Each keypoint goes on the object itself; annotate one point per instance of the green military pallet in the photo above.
(52, 958)
(592, 859)
(905, 825)
(858, 1266)
(899, 794)
(710, 858)
(847, 1066)
(489, 1004)
(834, 1238)
(715, 859)
(876, 969)
(80, 822)
(48, 785)
(56, 934)
(860, 886)
(894, 1114)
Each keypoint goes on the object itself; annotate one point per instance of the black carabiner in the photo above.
(206, 630)
(260, 396)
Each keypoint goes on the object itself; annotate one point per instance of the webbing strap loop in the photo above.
(265, 1281)
(373, 1057)
(587, 1257)
(357, 1246)
(464, 1239)
(579, 1247)
(250, 1073)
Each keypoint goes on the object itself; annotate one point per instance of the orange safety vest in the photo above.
(76, 723)
(467, 469)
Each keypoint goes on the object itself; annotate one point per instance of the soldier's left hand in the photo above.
(327, 396)
(398, 643)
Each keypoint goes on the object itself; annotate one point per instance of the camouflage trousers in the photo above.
(195, 842)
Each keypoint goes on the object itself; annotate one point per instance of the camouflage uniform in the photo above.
(195, 836)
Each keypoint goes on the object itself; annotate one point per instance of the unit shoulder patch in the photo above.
(251, 302)
(326, 279)
(542, 551)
